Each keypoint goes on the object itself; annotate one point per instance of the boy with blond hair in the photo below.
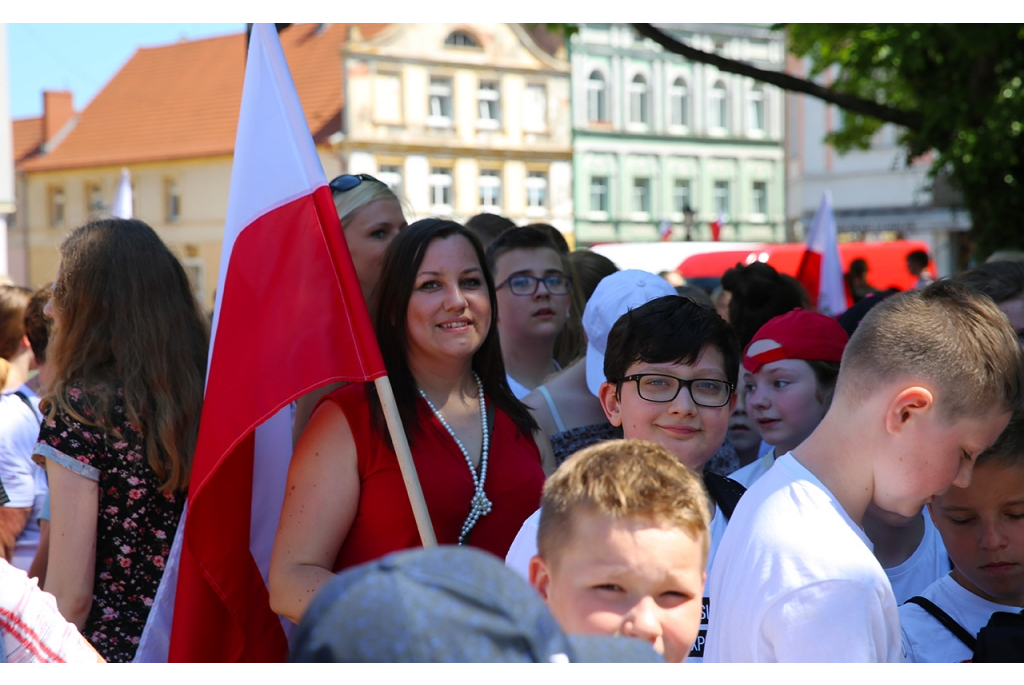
(982, 526)
(623, 545)
(927, 382)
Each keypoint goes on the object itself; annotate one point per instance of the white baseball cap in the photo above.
(614, 296)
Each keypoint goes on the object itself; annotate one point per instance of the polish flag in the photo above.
(121, 207)
(665, 230)
(289, 318)
(716, 227)
(821, 272)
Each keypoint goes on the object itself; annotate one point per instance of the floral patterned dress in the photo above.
(136, 522)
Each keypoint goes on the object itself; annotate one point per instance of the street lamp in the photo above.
(688, 222)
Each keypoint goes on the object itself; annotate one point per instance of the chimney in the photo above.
(57, 112)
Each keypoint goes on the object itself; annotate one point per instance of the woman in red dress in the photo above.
(472, 442)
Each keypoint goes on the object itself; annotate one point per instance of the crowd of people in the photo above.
(666, 475)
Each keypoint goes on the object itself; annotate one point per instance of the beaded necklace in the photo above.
(479, 505)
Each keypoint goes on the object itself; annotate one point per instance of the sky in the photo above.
(82, 58)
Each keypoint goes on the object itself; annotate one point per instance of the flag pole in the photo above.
(401, 443)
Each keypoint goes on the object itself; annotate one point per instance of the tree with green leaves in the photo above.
(954, 89)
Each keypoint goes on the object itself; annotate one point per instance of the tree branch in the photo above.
(850, 103)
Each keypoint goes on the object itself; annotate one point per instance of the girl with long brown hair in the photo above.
(128, 350)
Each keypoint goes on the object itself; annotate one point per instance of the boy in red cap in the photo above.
(789, 373)
(927, 382)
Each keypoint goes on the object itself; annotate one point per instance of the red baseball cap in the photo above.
(799, 334)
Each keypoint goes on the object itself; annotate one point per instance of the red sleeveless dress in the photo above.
(384, 521)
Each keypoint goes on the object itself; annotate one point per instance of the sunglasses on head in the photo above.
(349, 181)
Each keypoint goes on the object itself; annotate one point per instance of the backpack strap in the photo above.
(724, 491)
(28, 403)
(946, 620)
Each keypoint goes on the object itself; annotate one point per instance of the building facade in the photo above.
(876, 194)
(461, 119)
(7, 195)
(169, 116)
(655, 135)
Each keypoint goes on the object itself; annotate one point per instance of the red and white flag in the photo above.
(289, 318)
(821, 272)
(665, 230)
(716, 227)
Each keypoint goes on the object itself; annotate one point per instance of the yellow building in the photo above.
(462, 119)
(169, 116)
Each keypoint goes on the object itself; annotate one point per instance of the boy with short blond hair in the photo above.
(623, 544)
(927, 382)
(982, 526)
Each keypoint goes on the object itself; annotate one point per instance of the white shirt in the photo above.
(928, 563)
(524, 548)
(24, 480)
(748, 475)
(795, 580)
(925, 640)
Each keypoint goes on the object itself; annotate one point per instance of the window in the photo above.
(535, 115)
(490, 103)
(755, 109)
(441, 188)
(391, 175)
(461, 39)
(759, 198)
(490, 189)
(642, 195)
(387, 101)
(172, 201)
(678, 95)
(94, 204)
(720, 197)
(639, 100)
(195, 271)
(536, 189)
(57, 206)
(718, 115)
(599, 194)
(440, 113)
(596, 97)
(681, 195)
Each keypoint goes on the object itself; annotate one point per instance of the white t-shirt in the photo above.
(24, 480)
(795, 580)
(524, 548)
(928, 563)
(925, 640)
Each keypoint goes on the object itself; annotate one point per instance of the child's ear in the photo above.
(909, 403)
(540, 579)
(610, 403)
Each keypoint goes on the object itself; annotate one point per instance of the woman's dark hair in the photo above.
(759, 293)
(590, 267)
(397, 279)
(37, 324)
(825, 373)
(669, 329)
(128, 321)
(999, 280)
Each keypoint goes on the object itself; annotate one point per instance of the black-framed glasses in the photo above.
(526, 285)
(658, 387)
(349, 181)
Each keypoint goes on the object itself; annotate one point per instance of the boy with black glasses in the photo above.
(671, 366)
(533, 293)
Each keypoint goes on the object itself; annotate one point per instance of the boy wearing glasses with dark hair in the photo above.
(671, 366)
(533, 304)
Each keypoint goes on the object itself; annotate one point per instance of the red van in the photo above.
(887, 262)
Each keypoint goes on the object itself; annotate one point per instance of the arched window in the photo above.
(461, 39)
(718, 114)
(639, 101)
(679, 97)
(755, 109)
(597, 97)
